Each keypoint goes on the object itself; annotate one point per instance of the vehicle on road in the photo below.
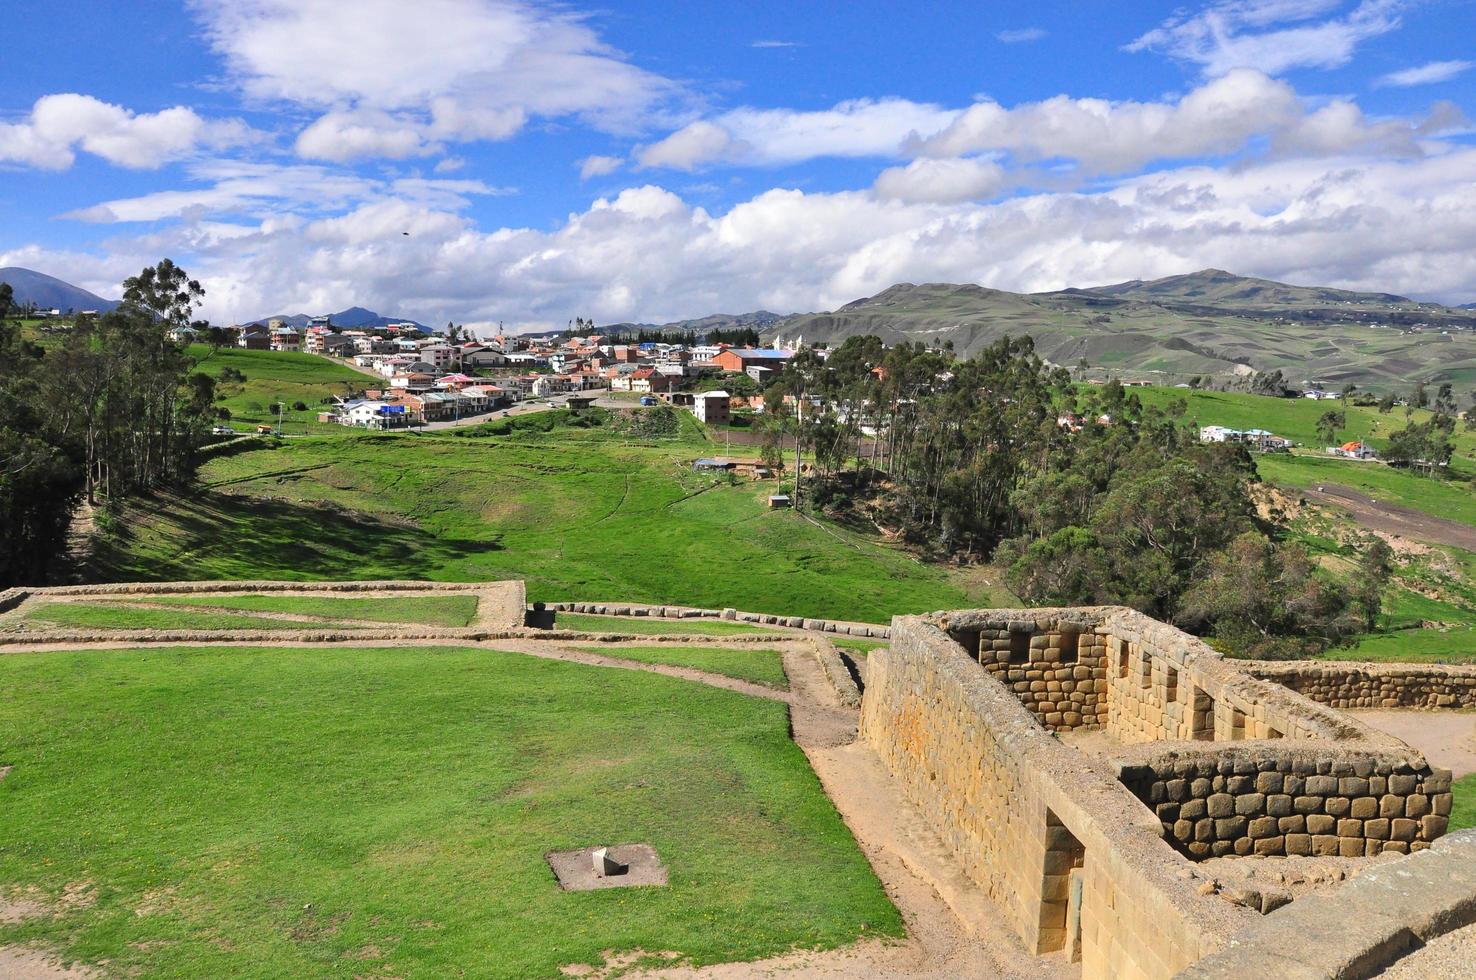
(222, 430)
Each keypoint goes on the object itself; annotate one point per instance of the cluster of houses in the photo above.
(430, 378)
(1258, 439)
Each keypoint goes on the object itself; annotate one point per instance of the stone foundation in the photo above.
(1367, 685)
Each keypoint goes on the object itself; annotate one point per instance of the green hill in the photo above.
(1209, 323)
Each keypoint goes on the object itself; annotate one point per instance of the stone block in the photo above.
(1299, 844)
(1320, 823)
(1433, 826)
(1269, 782)
(1377, 829)
(1324, 845)
(1364, 808)
(1228, 828)
(1416, 805)
(1402, 829)
(1262, 827)
(1337, 806)
(1221, 805)
(1309, 804)
(1391, 806)
(1352, 786)
(1294, 824)
(1321, 785)
(1250, 805)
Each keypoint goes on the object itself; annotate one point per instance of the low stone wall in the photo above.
(1369, 685)
(11, 598)
(1290, 799)
(1070, 856)
(689, 612)
(1362, 928)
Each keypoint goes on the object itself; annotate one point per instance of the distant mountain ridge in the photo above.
(1207, 323)
(354, 316)
(758, 320)
(50, 293)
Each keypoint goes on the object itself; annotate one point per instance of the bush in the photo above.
(299, 406)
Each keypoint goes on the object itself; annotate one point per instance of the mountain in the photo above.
(758, 320)
(1208, 323)
(354, 316)
(50, 293)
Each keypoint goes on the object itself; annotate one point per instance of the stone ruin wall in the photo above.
(1293, 802)
(1076, 856)
(1366, 685)
(1028, 817)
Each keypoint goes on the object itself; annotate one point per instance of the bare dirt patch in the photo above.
(575, 869)
(20, 963)
(1447, 738)
(1393, 518)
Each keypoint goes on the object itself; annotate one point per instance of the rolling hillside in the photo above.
(50, 293)
(1206, 323)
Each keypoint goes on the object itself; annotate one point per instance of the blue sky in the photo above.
(644, 160)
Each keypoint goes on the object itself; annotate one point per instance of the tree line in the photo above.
(113, 409)
(1082, 496)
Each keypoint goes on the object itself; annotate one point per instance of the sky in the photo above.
(500, 162)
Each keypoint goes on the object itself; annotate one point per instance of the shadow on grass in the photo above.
(215, 535)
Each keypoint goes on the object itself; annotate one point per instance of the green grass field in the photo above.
(450, 610)
(579, 514)
(759, 666)
(275, 376)
(1463, 806)
(654, 627)
(1450, 498)
(1295, 418)
(122, 616)
(385, 812)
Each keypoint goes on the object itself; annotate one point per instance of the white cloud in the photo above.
(598, 166)
(59, 125)
(1272, 36)
(1020, 35)
(941, 181)
(344, 136)
(443, 69)
(776, 44)
(1223, 116)
(1405, 226)
(265, 190)
(764, 137)
(1426, 74)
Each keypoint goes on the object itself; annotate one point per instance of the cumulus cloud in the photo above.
(1221, 117)
(440, 69)
(1273, 36)
(598, 166)
(1426, 74)
(59, 125)
(941, 181)
(766, 137)
(1402, 225)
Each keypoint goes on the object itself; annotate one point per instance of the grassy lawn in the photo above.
(578, 514)
(449, 610)
(123, 616)
(856, 644)
(1453, 646)
(377, 812)
(1463, 806)
(277, 376)
(1295, 418)
(655, 627)
(759, 666)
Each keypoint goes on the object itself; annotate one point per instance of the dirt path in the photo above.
(19, 963)
(1447, 738)
(1393, 518)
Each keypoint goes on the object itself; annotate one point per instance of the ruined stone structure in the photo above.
(974, 712)
(1359, 685)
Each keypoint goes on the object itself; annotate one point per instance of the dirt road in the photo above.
(1377, 515)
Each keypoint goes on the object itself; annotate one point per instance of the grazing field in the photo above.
(385, 812)
(123, 616)
(277, 376)
(1451, 498)
(1463, 806)
(578, 514)
(759, 666)
(654, 627)
(450, 610)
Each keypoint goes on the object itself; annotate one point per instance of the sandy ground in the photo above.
(19, 963)
(1447, 738)
(1449, 956)
(1392, 518)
